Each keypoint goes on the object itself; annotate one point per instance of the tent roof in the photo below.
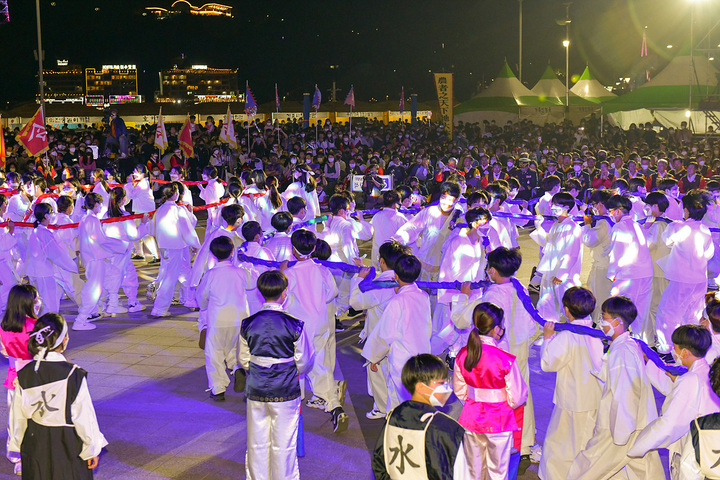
(589, 88)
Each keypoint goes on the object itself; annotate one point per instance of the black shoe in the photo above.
(339, 419)
(339, 326)
(450, 362)
(352, 313)
(239, 383)
(218, 397)
(137, 257)
(154, 261)
(667, 358)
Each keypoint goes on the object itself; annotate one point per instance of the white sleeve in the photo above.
(86, 424)
(243, 354)
(459, 384)
(304, 352)
(410, 232)
(461, 310)
(659, 379)
(202, 294)
(689, 468)
(556, 353)
(516, 389)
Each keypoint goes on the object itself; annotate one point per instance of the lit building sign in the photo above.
(121, 99)
(94, 100)
(119, 67)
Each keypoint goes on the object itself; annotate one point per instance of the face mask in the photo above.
(647, 210)
(293, 161)
(604, 323)
(37, 306)
(72, 149)
(510, 165)
(645, 167)
(557, 210)
(577, 168)
(174, 177)
(446, 203)
(156, 172)
(440, 395)
(675, 356)
(701, 162)
(352, 165)
(137, 175)
(204, 177)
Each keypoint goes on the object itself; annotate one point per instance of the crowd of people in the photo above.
(643, 204)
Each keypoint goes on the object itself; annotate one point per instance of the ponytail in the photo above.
(99, 174)
(41, 211)
(486, 317)
(168, 191)
(92, 199)
(275, 198)
(115, 203)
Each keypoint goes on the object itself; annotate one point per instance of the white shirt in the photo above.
(658, 249)
(691, 247)
(372, 301)
(385, 224)
(311, 287)
(432, 227)
(463, 260)
(597, 239)
(280, 246)
(175, 227)
(44, 251)
(629, 254)
(94, 243)
(342, 236)
(222, 293)
(141, 196)
(562, 250)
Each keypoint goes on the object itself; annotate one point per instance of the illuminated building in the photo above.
(64, 83)
(111, 80)
(198, 84)
(184, 7)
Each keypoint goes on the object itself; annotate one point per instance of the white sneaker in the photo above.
(136, 307)
(535, 453)
(116, 309)
(155, 314)
(17, 470)
(375, 414)
(316, 402)
(539, 342)
(83, 325)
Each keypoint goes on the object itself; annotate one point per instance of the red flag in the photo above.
(33, 136)
(3, 152)
(185, 139)
(350, 99)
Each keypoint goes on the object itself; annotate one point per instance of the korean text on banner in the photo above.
(444, 86)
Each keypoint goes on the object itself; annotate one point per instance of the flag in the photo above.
(402, 100)
(277, 99)
(444, 87)
(317, 98)
(3, 152)
(33, 136)
(161, 140)
(350, 99)
(185, 139)
(250, 105)
(227, 134)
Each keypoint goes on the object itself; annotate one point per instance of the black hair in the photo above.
(99, 174)
(337, 203)
(281, 221)
(695, 203)
(407, 268)
(168, 191)
(573, 183)
(635, 183)
(579, 301)
(666, 184)
(390, 251)
(250, 230)
(496, 192)
(713, 313)
(550, 182)
(258, 178)
(563, 199)
(180, 170)
(424, 368)
(477, 213)
(486, 316)
(234, 190)
(142, 169)
(305, 177)
(390, 198)
(695, 338)
(232, 213)
(181, 189)
(621, 202)
(222, 247)
(271, 182)
(117, 195)
(322, 250)
(715, 376)
(20, 305)
(600, 196)
(478, 196)
(56, 322)
(403, 191)
(621, 185)
(210, 171)
(303, 241)
(506, 261)
(41, 210)
(271, 284)
(295, 205)
(63, 202)
(622, 308)
(450, 188)
(657, 198)
(92, 199)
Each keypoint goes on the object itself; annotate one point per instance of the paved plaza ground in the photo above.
(148, 382)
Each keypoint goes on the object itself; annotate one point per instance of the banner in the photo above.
(227, 134)
(185, 139)
(33, 136)
(357, 181)
(444, 87)
(161, 140)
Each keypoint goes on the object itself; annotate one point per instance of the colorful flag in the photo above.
(33, 136)
(185, 139)
(3, 152)
(317, 98)
(161, 140)
(250, 105)
(277, 99)
(402, 100)
(350, 99)
(227, 134)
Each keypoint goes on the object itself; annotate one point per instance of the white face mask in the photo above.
(293, 160)
(204, 177)
(604, 323)
(509, 165)
(174, 177)
(645, 167)
(557, 210)
(647, 210)
(37, 306)
(137, 175)
(446, 202)
(440, 395)
(701, 162)
(577, 168)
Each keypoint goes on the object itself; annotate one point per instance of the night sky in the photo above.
(378, 45)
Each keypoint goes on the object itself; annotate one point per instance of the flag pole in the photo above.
(40, 61)
(316, 127)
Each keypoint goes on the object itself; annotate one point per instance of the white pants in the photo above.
(7, 280)
(342, 301)
(146, 244)
(70, 283)
(49, 293)
(681, 304)
(639, 290)
(321, 375)
(488, 454)
(121, 272)
(659, 284)
(172, 266)
(93, 288)
(272, 429)
(567, 435)
(377, 385)
(603, 459)
(522, 356)
(220, 354)
(600, 285)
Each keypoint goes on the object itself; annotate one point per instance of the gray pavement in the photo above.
(147, 380)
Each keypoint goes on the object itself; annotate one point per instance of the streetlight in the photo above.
(520, 44)
(566, 44)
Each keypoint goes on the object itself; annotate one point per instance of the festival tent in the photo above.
(552, 91)
(590, 89)
(665, 98)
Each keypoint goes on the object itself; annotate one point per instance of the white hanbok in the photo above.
(297, 189)
(44, 254)
(212, 193)
(597, 240)
(385, 224)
